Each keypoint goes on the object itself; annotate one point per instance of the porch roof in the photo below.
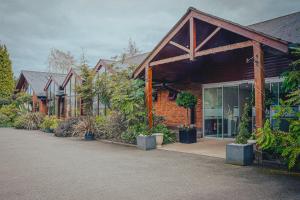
(176, 41)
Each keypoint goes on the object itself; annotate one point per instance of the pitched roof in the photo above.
(285, 27)
(248, 32)
(57, 78)
(72, 71)
(130, 61)
(37, 80)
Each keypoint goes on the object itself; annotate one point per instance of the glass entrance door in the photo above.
(230, 111)
(212, 109)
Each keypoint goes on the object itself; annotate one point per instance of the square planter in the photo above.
(239, 154)
(146, 142)
(188, 136)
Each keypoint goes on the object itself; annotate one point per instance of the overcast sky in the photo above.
(102, 28)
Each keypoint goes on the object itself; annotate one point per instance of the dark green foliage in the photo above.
(66, 128)
(169, 137)
(286, 144)
(6, 74)
(243, 130)
(29, 121)
(186, 100)
(111, 126)
(86, 91)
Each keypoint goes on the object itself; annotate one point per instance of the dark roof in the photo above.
(36, 80)
(285, 28)
(59, 78)
(130, 61)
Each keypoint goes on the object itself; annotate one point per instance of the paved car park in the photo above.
(36, 165)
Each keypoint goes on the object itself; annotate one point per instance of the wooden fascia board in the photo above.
(224, 48)
(169, 60)
(164, 42)
(244, 31)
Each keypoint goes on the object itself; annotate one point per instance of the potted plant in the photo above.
(144, 140)
(241, 152)
(187, 133)
(86, 91)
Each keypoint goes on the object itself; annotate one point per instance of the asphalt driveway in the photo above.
(35, 165)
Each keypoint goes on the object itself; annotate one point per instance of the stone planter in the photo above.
(159, 139)
(146, 142)
(239, 154)
(89, 136)
(188, 135)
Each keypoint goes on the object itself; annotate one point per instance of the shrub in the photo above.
(112, 127)
(29, 121)
(83, 126)
(169, 137)
(186, 100)
(50, 123)
(8, 115)
(66, 128)
(243, 130)
(129, 136)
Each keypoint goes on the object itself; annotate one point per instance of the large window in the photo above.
(52, 110)
(72, 99)
(223, 106)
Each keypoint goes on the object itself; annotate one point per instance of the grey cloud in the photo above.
(30, 28)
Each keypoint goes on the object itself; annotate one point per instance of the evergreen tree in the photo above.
(6, 74)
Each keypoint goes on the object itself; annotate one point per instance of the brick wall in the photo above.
(173, 114)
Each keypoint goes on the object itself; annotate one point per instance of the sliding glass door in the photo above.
(212, 109)
(222, 108)
(230, 111)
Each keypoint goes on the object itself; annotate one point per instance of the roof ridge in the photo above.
(293, 13)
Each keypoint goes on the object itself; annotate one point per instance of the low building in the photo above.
(33, 83)
(55, 95)
(224, 64)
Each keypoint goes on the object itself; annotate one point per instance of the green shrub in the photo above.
(186, 100)
(8, 115)
(66, 128)
(29, 121)
(169, 137)
(243, 130)
(129, 136)
(111, 127)
(49, 123)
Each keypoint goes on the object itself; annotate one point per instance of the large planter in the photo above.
(146, 142)
(89, 136)
(239, 154)
(159, 137)
(188, 135)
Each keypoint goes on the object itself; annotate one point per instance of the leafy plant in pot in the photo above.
(241, 152)
(86, 91)
(145, 140)
(187, 133)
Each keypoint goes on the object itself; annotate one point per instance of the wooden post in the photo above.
(259, 84)
(148, 94)
(192, 38)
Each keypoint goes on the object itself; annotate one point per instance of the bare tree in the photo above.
(130, 51)
(60, 61)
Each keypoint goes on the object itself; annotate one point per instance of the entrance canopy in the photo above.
(204, 48)
(198, 39)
